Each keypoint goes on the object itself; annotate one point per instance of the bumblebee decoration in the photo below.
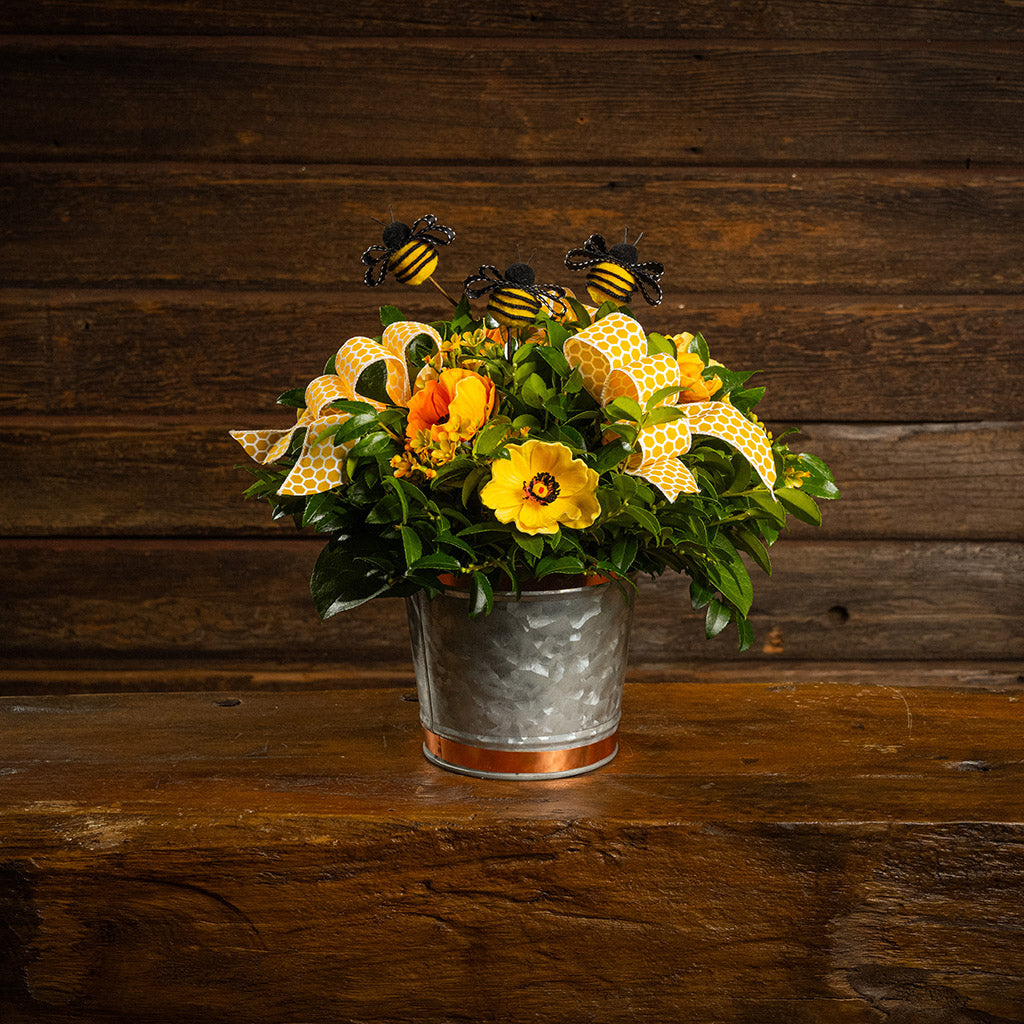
(615, 273)
(514, 299)
(407, 252)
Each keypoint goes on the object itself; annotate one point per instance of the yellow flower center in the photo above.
(543, 489)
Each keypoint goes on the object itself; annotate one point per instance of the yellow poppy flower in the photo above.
(454, 406)
(540, 486)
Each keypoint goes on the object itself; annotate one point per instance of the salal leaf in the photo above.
(801, 506)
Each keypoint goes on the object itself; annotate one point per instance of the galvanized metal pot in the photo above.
(531, 691)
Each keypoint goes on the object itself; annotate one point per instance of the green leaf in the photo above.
(746, 632)
(763, 500)
(565, 564)
(348, 429)
(664, 414)
(700, 595)
(393, 483)
(372, 382)
(611, 455)
(801, 506)
(439, 561)
(341, 581)
(734, 583)
(554, 358)
(456, 468)
(661, 395)
(745, 399)
(481, 595)
(717, 618)
(741, 476)
(642, 518)
(582, 316)
(660, 344)
(390, 315)
(606, 307)
(388, 510)
(624, 551)
(294, 398)
(748, 541)
(528, 421)
(535, 392)
(318, 506)
(624, 409)
(531, 544)
(627, 431)
(700, 346)
(491, 436)
(373, 445)
(821, 483)
(469, 485)
(411, 544)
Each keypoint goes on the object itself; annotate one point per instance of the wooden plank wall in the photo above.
(837, 192)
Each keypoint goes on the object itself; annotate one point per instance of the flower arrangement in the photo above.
(536, 439)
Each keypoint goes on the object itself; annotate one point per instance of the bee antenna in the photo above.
(391, 213)
(532, 254)
(625, 234)
(379, 221)
(638, 237)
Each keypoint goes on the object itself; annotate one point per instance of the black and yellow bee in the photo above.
(408, 252)
(514, 299)
(615, 273)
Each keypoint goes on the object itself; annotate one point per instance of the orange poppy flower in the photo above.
(452, 407)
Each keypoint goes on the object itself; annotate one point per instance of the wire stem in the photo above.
(442, 291)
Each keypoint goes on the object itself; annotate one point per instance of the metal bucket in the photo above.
(531, 691)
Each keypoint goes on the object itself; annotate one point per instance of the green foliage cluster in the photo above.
(393, 535)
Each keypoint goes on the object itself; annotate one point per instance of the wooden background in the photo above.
(837, 192)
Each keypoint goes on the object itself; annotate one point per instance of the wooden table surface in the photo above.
(756, 852)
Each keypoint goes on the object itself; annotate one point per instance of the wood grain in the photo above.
(210, 354)
(151, 477)
(130, 675)
(924, 20)
(806, 230)
(857, 850)
(343, 101)
(179, 599)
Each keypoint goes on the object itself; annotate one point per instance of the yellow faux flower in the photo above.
(691, 366)
(540, 486)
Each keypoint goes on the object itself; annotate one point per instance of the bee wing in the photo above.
(489, 277)
(428, 230)
(652, 269)
(376, 258)
(648, 281)
(594, 250)
(553, 297)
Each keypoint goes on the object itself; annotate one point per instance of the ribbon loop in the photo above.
(611, 356)
(319, 466)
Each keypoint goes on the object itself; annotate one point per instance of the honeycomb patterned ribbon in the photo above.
(612, 358)
(320, 463)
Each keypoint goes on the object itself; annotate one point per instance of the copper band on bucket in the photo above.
(518, 762)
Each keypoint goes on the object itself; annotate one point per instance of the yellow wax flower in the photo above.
(540, 486)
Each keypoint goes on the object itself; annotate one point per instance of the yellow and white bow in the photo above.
(612, 358)
(320, 465)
